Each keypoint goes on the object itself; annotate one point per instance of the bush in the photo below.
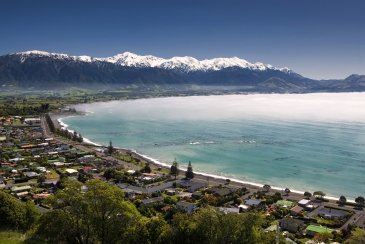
(16, 214)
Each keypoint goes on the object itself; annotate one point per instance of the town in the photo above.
(37, 156)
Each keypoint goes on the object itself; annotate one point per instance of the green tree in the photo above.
(307, 194)
(189, 174)
(15, 214)
(151, 230)
(360, 201)
(74, 136)
(287, 191)
(357, 236)
(319, 194)
(110, 148)
(174, 170)
(342, 200)
(147, 168)
(99, 215)
(266, 188)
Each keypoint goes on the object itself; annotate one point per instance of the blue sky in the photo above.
(316, 38)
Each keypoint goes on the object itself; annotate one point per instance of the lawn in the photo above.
(11, 237)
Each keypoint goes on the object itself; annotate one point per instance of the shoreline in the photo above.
(202, 175)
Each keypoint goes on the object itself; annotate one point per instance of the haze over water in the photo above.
(305, 142)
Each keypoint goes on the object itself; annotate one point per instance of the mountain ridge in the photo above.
(186, 63)
(44, 70)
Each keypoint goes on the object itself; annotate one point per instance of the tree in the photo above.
(174, 170)
(110, 148)
(360, 201)
(307, 194)
(357, 236)
(266, 188)
(16, 214)
(147, 168)
(287, 191)
(74, 136)
(319, 194)
(342, 200)
(80, 138)
(189, 174)
(100, 215)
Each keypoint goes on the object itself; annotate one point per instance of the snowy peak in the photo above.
(185, 64)
(37, 53)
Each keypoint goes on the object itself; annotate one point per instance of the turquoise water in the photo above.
(304, 142)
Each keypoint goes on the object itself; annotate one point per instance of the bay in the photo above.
(305, 142)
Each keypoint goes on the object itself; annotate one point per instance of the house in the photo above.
(197, 195)
(130, 189)
(71, 172)
(131, 172)
(229, 210)
(170, 191)
(192, 185)
(254, 203)
(41, 169)
(243, 207)
(220, 191)
(297, 210)
(150, 201)
(20, 188)
(313, 230)
(332, 213)
(304, 202)
(291, 225)
(187, 207)
(30, 174)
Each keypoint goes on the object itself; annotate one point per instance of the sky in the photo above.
(320, 39)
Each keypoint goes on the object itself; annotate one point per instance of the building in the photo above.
(255, 203)
(187, 207)
(20, 188)
(150, 201)
(220, 191)
(291, 225)
(333, 213)
(297, 210)
(229, 210)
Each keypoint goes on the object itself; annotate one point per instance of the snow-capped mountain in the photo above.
(181, 63)
(39, 69)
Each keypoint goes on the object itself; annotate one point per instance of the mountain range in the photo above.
(44, 70)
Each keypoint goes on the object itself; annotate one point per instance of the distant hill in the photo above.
(43, 70)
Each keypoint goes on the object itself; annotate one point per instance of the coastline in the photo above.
(201, 175)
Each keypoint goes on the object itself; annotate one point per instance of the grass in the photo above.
(11, 237)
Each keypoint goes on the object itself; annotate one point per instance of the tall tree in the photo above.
(110, 147)
(360, 201)
(189, 174)
(342, 200)
(174, 170)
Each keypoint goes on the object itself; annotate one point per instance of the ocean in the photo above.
(304, 142)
